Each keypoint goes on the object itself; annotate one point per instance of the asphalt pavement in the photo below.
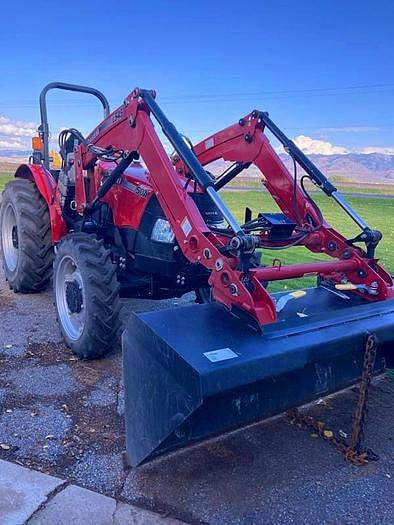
(64, 418)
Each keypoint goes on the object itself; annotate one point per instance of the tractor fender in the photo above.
(46, 185)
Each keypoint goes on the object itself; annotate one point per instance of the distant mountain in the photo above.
(355, 167)
(352, 167)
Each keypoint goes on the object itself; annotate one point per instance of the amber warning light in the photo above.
(36, 143)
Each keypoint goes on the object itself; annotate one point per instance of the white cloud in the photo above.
(12, 144)
(15, 135)
(16, 128)
(376, 149)
(312, 146)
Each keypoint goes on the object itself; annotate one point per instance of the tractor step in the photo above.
(197, 371)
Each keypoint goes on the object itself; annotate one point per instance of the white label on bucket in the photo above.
(220, 355)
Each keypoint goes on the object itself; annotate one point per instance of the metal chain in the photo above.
(352, 450)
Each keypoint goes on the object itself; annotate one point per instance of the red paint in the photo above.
(129, 197)
(46, 185)
(130, 128)
(295, 271)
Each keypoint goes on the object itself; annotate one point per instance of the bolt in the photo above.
(233, 289)
(235, 243)
(219, 265)
(241, 122)
(248, 138)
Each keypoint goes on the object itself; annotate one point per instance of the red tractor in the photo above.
(123, 219)
(122, 245)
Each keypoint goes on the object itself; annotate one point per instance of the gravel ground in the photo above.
(65, 417)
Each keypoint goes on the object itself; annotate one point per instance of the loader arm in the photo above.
(239, 143)
(226, 255)
(131, 127)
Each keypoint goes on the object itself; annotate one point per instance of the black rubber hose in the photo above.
(116, 173)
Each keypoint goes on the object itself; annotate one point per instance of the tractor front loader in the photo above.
(123, 219)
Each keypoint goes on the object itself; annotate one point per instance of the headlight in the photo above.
(162, 232)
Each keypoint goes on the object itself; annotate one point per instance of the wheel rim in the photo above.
(10, 242)
(70, 297)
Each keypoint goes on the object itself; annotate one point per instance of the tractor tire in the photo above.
(25, 237)
(86, 293)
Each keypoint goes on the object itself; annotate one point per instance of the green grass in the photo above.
(4, 178)
(379, 213)
(371, 189)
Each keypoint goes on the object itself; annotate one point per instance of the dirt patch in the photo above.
(7, 300)
(58, 409)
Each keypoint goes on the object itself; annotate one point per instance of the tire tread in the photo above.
(104, 326)
(34, 269)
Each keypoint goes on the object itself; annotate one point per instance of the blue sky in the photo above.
(323, 69)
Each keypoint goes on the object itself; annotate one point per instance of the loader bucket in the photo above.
(198, 371)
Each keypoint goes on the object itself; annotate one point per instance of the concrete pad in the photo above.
(77, 506)
(22, 491)
(129, 515)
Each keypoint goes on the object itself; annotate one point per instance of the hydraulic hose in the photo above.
(111, 180)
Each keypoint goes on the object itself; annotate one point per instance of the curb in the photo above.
(29, 497)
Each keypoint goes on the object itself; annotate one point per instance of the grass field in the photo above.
(378, 189)
(4, 177)
(379, 213)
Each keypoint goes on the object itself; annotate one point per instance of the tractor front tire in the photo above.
(87, 296)
(25, 237)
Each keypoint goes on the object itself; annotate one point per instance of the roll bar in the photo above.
(44, 127)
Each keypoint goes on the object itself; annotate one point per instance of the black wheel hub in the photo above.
(74, 297)
(14, 236)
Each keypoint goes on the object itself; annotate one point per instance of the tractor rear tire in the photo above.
(25, 237)
(86, 293)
